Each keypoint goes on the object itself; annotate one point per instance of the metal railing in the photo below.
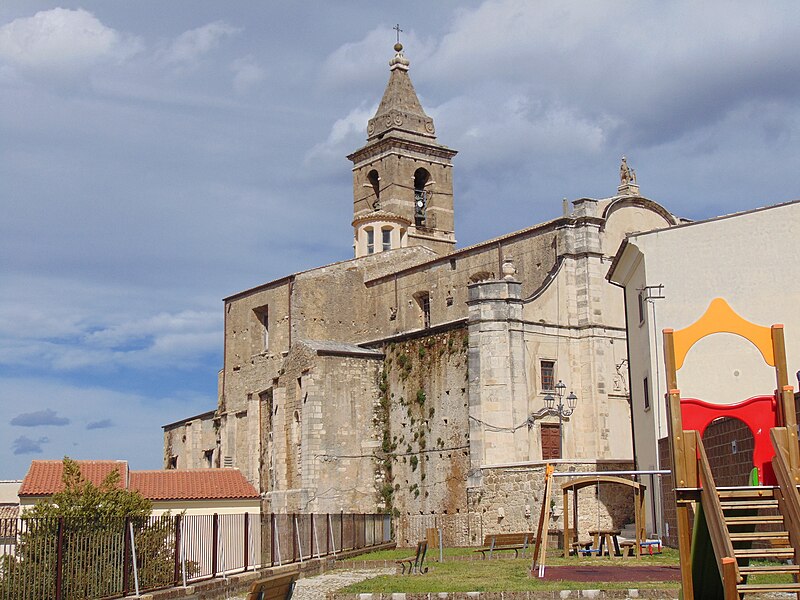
(71, 559)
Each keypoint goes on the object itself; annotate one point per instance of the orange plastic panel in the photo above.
(721, 318)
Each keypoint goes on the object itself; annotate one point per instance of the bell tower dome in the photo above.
(402, 178)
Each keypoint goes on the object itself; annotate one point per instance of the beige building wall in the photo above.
(208, 507)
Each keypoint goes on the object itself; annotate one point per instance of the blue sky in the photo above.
(156, 157)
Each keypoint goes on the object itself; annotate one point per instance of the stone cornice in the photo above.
(387, 144)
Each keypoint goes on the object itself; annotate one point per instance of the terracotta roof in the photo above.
(44, 476)
(8, 511)
(197, 484)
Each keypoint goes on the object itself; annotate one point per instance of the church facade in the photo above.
(415, 378)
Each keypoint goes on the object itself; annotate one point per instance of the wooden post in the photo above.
(786, 405)
(637, 517)
(685, 551)
(567, 539)
(679, 474)
(729, 580)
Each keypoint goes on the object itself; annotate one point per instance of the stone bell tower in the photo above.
(402, 178)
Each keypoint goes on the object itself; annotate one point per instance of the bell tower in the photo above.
(402, 178)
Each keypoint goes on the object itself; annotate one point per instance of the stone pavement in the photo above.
(315, 588)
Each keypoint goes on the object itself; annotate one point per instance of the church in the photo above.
(421, 379)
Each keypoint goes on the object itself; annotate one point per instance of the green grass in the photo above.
(668, 557)
(495, 575)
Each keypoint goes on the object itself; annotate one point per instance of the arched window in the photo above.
(374, 180)
(386, 239)
(370, 240)
(422, 178)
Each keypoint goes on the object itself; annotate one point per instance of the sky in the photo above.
(156, 157)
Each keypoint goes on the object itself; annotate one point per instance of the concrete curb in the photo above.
(631, 594)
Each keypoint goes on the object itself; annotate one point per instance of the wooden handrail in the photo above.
(720, 540)
(789, 502)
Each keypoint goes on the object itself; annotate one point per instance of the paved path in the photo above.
(315, 588)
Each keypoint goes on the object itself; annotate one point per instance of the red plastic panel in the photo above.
(759, 413)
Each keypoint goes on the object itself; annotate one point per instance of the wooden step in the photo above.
(768, 553)
(753, 519)
(749, 504)
(755, 588)
(746, 492)
(750, 536)
(768, 569)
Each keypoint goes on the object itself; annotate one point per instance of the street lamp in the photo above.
(559, 410)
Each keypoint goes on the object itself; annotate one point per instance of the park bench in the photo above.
(277, 587)
(498, 542)
(415, 562)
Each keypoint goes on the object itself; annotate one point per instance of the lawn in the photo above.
(505, 574)
(668, 557)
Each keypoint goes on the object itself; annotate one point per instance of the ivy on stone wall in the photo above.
(411, 364)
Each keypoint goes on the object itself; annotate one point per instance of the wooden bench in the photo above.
(506, 541)
(277, 587)
(415, 562)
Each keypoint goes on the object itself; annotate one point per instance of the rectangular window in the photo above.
(646, 394)
(425, 305)
(370, 241)
(548, 373)
(551, 441)
(262, 314)
(387, 239)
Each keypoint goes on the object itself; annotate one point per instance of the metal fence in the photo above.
(72, 559)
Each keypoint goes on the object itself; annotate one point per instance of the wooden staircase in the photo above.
(752, 514)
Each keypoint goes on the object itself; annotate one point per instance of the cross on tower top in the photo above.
(398, 30)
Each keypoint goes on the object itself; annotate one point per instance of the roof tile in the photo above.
(192, 484)
(44, 478)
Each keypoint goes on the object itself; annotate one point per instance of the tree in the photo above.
(90, 523)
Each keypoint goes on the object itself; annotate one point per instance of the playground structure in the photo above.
(715, 556)
(580, 483)
(577, 482)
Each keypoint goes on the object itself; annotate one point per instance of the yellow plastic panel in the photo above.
(721, 318)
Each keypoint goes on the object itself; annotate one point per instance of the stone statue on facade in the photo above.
(626, 174)
(627, 179)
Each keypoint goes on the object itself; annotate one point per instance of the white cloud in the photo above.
(246, 73)
(192, 44)
(346, 134)
(63, 40)
(91, 326)
(354, 62)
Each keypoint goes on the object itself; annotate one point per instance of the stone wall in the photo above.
(510, 499)
(424, 383)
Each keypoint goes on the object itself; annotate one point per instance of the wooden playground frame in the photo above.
(692, 477)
